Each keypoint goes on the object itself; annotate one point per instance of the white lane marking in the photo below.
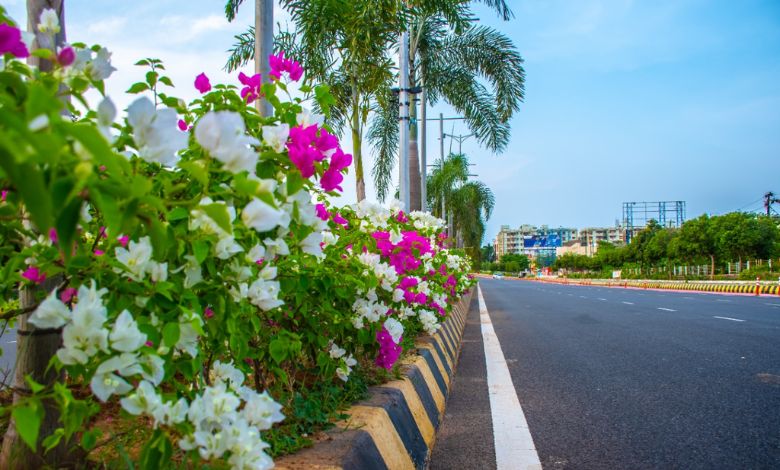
(583, 297)
(773, 305)
(689, 298)
(722, 300)
(628, 303)
(729, 318)
(667, 309)
(601, 298)
(11, 342)
(511, 436)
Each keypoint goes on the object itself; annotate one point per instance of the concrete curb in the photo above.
(396, 427)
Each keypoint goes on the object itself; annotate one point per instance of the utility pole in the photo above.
(423, 153)
(264, 47)
(769, 199)
(403, 121)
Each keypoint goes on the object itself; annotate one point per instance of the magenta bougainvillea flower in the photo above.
(123, 240)
(66, 56)
(3, 195)
(11, 42)
(183, 125)
(53, 235)
(68, 294)
(208, 312)
(202, 83)
(33, 274)
(251, 90)
(279, 64)
(389, 351)
(322, 212)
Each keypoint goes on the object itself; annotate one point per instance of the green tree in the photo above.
(451, 58)
(696, 239)
(488, 253)
(470, 203)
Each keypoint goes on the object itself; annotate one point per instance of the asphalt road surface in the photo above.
(613, 378)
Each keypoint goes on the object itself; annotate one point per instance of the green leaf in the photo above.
(28, 422)
(36, 196)
(142, 62)
(137, 87)
(43, 54)
(219, 214)
(197, 171)
(34, 386)
(66, 225)
(166, 80)
(200, 249)
(171, 334)
(89, 439)
(294, 182)
(324, 98)
(151, 79)
(53, 439)
(278, 349)
(178, 213)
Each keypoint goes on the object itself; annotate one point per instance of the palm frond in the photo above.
(501, 8)
(383, 136)
(231, 8)
(242, 51)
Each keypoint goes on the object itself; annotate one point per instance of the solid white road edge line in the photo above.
(514, 445)
(628, 303)
(667, 309)
(728, 318)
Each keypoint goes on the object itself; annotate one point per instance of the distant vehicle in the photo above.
(498, 275)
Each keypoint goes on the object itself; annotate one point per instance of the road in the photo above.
(612, 378)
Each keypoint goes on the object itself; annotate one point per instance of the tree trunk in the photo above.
(415, 200)
(264, 46)
(712, 267)
(357, 144)
(34, 9)
(34, 350)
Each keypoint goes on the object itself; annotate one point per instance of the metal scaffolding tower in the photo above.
(638, 214)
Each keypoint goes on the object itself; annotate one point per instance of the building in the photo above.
(531, 240)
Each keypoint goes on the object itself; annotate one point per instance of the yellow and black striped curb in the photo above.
(396, 427)
(743, 288)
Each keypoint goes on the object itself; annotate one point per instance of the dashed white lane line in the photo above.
(602, 298)
(583, 297)
(514, 445)
(667, 309)
(729, 318)
(722, 300)
(689, 298)
(628, 303)
(772, 305)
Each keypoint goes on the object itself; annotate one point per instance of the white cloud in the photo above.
(107, 26)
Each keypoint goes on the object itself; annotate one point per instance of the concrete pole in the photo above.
(403, 118)
(423, 152)
(441, 161)
(264, 47)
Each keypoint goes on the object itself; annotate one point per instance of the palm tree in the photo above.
(345, 45)
(449, 56)
(469, 204)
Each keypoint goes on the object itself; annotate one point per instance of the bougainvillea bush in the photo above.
(202, 283)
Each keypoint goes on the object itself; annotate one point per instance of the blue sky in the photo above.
(625, 100)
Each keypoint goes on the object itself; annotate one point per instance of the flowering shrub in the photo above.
(202, 277)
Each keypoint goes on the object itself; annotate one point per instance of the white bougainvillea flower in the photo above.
(429, 321)
(312, 244)
(265, 294)
(125, 336)
(345, 369)
(192, 272)
(276, 247)
(172, 413)
(262, 411)
(336, 352)
(188, 335)
(306, 118)
(155, 132)
(152, 368)
(49, 22)
(158, 272)
(223, 134)
(51, 313)
(228, 374)
(106, 114)
(262, 217)
(125, 364)
(256, 253)
(135, 257)
(143, 400)
(227, 247)
(106, 384)
(395, 328)
(276, 136)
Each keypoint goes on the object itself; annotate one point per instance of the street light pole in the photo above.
(423, 153)
(403, 121)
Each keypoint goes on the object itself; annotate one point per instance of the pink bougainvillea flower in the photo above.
(208, 313)
(322, 212)
(33, 274)
(66, 56)
(3, 195)
(183, 125)
(202, 83)
(123, 240)
(11, 42)
(251, 90)
(280, 64)
(331, 180)
(389, 351)
(303, 157)
(339, 219)
(303, 136)
(326, 141)
(102, 232)
(53, 235)
(340, 160)
(150, 344)
(402, 218)
(99, 252)
(67, 294)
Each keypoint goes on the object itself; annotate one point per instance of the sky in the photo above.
(625, 100)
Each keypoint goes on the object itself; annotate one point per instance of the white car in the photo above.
(498, 275)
